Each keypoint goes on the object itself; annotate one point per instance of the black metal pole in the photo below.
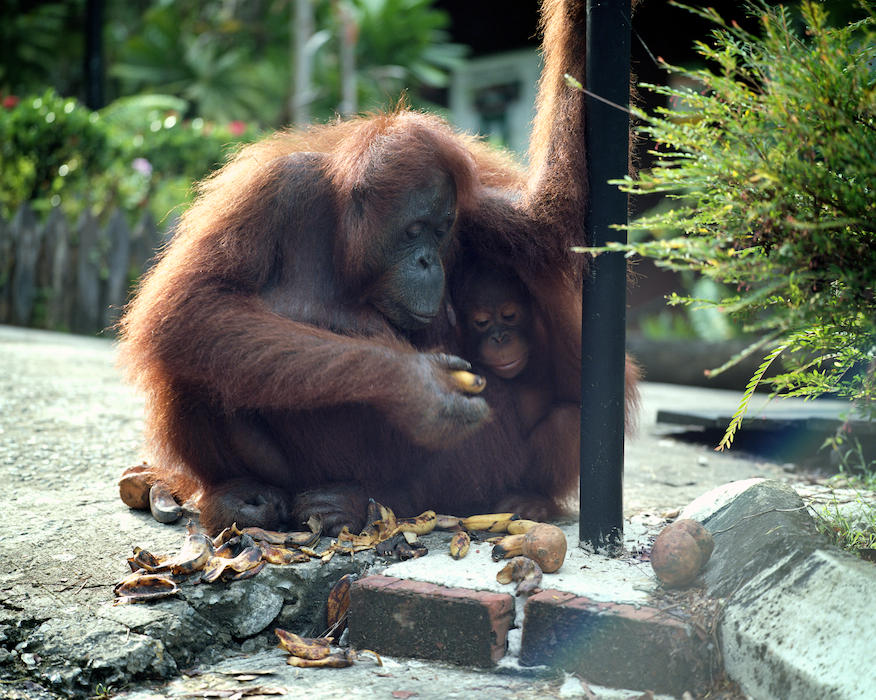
(94, 68)
(604, 334)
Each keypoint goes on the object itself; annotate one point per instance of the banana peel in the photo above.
(145, 560)
(248, 559)
(340, 659)
(274, 554)
(316, 652)
(386, 533)
(233, 555)
(196, 552)
(525, 571)
(140, 587)
(304, 647)
(448, 522)
(283, 539)
(163, 505)
(338, 604)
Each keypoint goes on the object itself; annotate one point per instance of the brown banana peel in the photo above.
(339, 604)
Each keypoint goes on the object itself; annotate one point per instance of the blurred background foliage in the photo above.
(185, 82)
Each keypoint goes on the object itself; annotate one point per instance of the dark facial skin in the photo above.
(420, 231)
(497, 324)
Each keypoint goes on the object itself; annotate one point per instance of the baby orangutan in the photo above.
(504, 336)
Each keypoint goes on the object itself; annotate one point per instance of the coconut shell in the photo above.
(676, 557)
(702, 536)
(546, 545)
(134, 487)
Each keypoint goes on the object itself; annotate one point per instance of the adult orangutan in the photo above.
(294, 341)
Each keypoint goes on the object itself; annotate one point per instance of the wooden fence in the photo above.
(71, 278)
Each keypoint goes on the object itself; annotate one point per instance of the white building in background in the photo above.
(495, 96)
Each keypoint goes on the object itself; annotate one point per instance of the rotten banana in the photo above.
(459, 544)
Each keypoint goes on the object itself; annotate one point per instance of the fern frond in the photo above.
(753, 383)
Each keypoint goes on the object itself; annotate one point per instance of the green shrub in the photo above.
(773, 166)
(51, 147)
(136, 154)
(164, 153)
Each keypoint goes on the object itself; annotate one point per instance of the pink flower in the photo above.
(10, 101)
(142, 166)
(237, 128)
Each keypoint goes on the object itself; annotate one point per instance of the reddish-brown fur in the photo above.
(501, 323)
(275, 391)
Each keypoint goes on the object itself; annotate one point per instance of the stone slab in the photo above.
(421, 620)
(613, 645)
(715, 409)
(764, 528)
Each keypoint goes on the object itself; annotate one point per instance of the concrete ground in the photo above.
(787, 615)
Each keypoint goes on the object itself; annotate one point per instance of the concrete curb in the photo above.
(796, 609)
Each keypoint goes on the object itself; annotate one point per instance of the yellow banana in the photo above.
(469, 382)
(423, 524)
(509, 546)
(491, 522)
(520, 527)
(459, 544)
